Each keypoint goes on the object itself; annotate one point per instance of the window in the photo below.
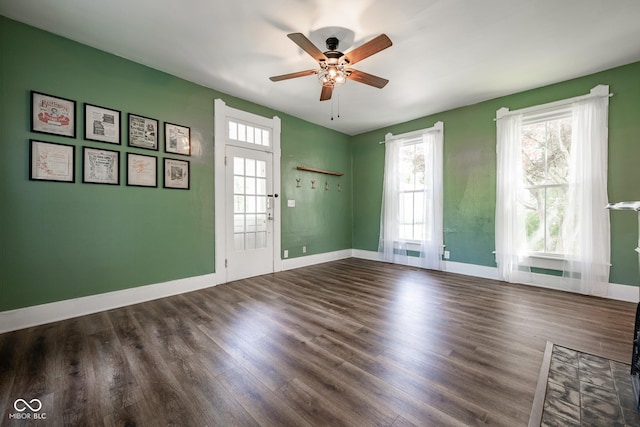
(411, 215)
(551, 192)
(242, 132)
(546, 144)
(414, 206)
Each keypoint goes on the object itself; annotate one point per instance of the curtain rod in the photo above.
(437, 127)
(598, 91)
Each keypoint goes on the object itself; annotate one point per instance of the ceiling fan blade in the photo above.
(306, 45)
(327, 90)
(366, 78)
(292, 75)
(369, 48)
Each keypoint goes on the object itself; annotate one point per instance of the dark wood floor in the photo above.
(351, 342)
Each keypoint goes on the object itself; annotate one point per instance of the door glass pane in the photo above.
(238, 241)
(238, 184)
(250, 167)
(261, 204)
(261, 168)
(238, 166)
(261, 186)
(238, 223)
(250, 241)
(238, 204)
(261, 240)
(261, 222)
(250, 205)
(251, 223)
(250, 185)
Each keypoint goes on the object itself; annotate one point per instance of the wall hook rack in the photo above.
(304, 168)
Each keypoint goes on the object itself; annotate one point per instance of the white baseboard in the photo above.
(615, 291)
(21, 318)
(305, 261)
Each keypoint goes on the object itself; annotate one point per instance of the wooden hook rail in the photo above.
(304, 168)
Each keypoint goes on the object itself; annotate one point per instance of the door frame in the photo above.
(221, 113)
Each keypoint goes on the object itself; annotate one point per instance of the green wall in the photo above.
(61, 241)
(470, 170)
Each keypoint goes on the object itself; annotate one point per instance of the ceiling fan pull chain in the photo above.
(332, 109)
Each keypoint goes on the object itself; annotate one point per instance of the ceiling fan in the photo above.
(334, 65)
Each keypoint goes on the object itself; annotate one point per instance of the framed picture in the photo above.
(100, 166)
(143, 132)
(177, 139)
(176, 174)
(142, 170)
(51, 162)
(53, 115)
(101, 124)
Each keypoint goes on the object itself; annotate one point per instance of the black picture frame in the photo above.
(102, 124)
(177, 174)
(142, 170)
(100, 166)
(143, 132)
(177, 139)
(53, 115)
(51, 161)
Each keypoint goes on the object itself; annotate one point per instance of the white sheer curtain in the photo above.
(586, 233)
(394, 247)
(511, 239)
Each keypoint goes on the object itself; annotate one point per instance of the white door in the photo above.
(249, 212)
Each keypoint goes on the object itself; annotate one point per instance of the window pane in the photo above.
(534, 153)
(554, 217)
(233, 130)
(258, 138)
(250, 134)
(242, 132)
(558, 147)
(266, 137)
(406, 208)
(534, 219)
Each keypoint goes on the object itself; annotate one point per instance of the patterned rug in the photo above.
(584, 390)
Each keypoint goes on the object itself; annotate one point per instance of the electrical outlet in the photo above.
(304, 249)
(286, 253)
(447, 254)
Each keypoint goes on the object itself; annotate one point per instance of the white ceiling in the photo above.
(445, 53)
